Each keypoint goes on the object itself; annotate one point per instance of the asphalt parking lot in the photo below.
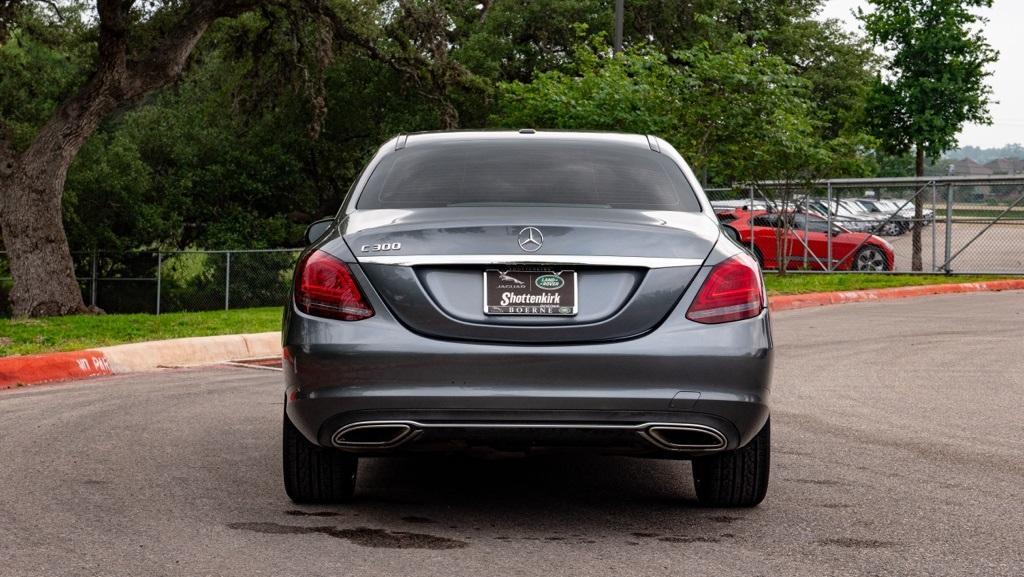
(898, 450)
(999, 249)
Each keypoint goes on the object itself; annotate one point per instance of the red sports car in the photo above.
(806, 241)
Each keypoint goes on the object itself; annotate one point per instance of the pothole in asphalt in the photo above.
(363, 536)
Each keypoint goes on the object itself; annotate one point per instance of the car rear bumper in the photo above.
(452, 395)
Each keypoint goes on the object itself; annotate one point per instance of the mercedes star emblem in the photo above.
(530, 239)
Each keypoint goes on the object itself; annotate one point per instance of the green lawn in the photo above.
(814, 283)
(20, 337)
(1015, 214)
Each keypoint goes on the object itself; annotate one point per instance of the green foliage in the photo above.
(738, 113)
(984, 155)
(42, 61)
(518, 40)
(936, 73)
(250, 146)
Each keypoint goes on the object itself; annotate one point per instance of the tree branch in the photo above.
(8, 11)
(56, 9)
(165, 61)
(113, 42)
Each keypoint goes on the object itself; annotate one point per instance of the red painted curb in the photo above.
(50, 367)
(791, 302)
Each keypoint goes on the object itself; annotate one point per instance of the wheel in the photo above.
(737, 478)
(315, 474)
(892, 229)
(870, 258)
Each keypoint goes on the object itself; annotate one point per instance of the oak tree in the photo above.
(140, 47)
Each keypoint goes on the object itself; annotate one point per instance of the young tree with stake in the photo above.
(935, 81)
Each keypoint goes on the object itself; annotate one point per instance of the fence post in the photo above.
(159, 270)
(750, 207)
(92, 284)
(227, 283)
(934, 268)
(828, 215)
(949, 226)
(806, 242)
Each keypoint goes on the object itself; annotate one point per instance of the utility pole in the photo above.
(619, 10)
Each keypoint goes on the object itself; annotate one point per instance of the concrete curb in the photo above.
(153, 355)
(791, 302)
(50, 367)
(149, 356)
(135, 357)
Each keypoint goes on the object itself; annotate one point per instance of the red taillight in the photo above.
(731, 292)
(324, 287)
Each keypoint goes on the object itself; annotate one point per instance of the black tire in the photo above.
(737, 478)
(871, 259)
(313, 474)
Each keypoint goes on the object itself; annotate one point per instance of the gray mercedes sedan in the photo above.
(527, 292)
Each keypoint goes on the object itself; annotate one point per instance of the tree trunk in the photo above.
(916, 264)
(32, 182)
(37, 250)
(31, 218)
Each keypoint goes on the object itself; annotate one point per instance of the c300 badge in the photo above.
(381, 247)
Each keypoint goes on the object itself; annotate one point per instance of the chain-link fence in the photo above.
(161, 281)
(967, 225)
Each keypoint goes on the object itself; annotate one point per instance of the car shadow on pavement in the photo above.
(454, 501)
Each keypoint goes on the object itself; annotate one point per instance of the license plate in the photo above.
(530, 292)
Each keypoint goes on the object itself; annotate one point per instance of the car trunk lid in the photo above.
(626, 268)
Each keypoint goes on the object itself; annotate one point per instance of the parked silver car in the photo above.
(844, 213)
(527, 291)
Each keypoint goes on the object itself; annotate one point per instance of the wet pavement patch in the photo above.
(419, 520)
(724, 519)
(363, 536)
(685, 538)
(851, 543)
(682, 539)
(297, 513)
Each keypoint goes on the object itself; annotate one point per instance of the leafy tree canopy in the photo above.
(262, 136)
(935, 75)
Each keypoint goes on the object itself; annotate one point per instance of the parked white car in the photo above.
(845, 213)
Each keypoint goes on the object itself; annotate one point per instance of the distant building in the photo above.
(968, 167)
(1006, 166)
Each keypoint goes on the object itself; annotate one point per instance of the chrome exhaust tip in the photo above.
(685, 437)
(374, 435)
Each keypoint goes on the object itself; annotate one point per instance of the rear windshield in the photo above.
(491, 173)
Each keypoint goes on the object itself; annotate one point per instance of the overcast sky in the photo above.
(1004, 32)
